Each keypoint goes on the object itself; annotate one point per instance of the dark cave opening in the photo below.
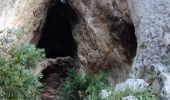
(128, 39)
(125, 37)
(56, 36)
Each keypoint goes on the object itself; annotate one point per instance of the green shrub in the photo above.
(89, 87)
(17, 82)
(96, 84)
(27, 55)
(77, 87)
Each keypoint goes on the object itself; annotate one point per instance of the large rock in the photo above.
(166, 88)
(137, 85)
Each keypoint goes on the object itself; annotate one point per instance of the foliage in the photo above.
(19, 32)
(9, 37)
(96, 85)
(89, 87)
(17, 82)
(146, 94)
(27, 55)
(77, 87)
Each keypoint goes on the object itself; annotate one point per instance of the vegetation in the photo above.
(17, 82)
(77, 87)
(90, 87)
(146, 94)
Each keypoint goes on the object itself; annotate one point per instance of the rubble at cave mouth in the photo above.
(56, 36)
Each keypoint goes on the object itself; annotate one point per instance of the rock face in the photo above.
(17, 13)
(21, 13)
(107, 33)
(152, 30)
(105, 36)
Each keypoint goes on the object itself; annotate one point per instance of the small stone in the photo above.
(166, 86)
(129, 98)
(105, 94)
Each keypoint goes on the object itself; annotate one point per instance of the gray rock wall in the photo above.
(151, 19)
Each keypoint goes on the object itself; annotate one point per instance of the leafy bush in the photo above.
(27, 55)
(17, 82)
(96, 84)
(77, 87)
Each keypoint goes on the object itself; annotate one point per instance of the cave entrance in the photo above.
(56, 36)
(56, 39)
(125, 37)
(128, 40)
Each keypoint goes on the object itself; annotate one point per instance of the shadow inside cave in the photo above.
(56, 36)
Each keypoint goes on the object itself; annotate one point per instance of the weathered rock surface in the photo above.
(104, 36)
(132, 84)
(151, 20)
(22, 13)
